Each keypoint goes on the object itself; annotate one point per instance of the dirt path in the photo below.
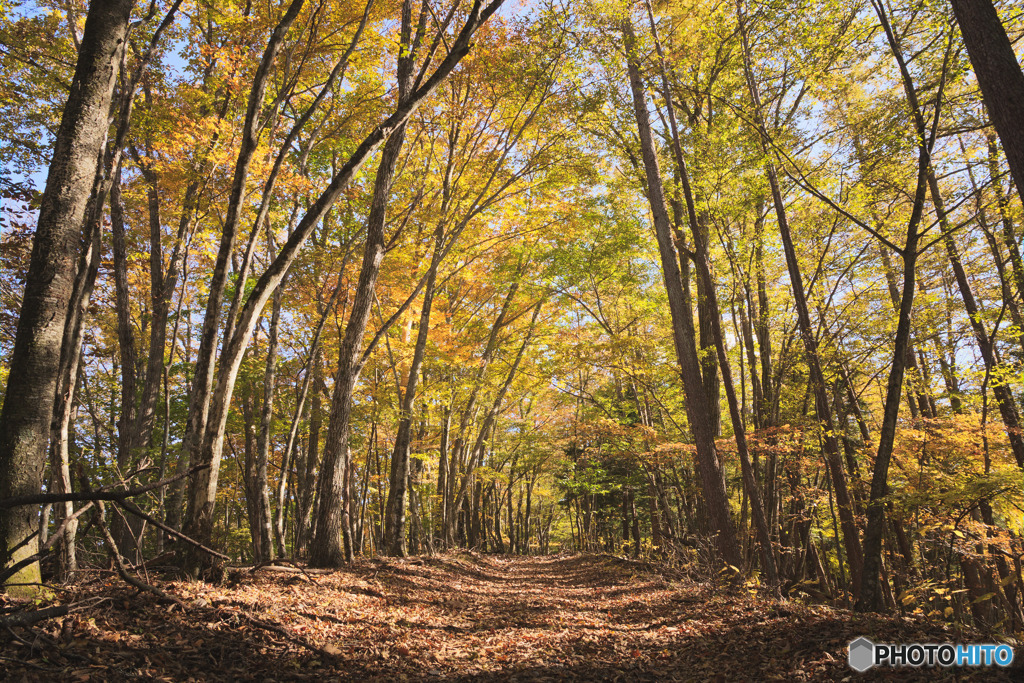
(459, 618)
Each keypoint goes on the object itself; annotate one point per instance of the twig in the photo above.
(32, 665)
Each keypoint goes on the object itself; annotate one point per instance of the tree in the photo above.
(35, 359)
(700, 413)
(999, 75)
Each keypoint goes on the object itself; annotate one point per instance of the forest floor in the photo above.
(458, 617)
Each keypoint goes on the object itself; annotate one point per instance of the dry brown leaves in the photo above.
(460, 617)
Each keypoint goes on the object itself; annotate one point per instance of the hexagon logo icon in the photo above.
(862, 654)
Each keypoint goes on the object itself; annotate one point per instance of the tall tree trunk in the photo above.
(263, 443)
(761, 328)
(917, 391)
(333, 490)
(700, 418)
(999, 75)
(739, 431)
(35, 359)
(125, 531)
(252, 493)
(293, 433)
(442, 473)
(1003, 202)
(394, 515)
(833, 457)
(873, 584)
(308, 465)
(710, 317)
(71, 357)
(451, 457)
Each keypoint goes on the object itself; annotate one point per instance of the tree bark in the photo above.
(394, 515)
(740, 433)
(999, 75)
(476, 453)
(700, 419)
(35, 358)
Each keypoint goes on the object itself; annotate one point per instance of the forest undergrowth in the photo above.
(462, 617)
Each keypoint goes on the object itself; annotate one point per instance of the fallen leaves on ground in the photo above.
(460, 617)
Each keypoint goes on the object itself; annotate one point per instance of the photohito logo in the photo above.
(865, 654)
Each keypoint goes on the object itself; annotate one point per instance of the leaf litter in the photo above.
(461, 617)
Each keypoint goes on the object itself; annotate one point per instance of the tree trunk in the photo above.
(833, 458)
(476, 453)
(1003, 394)
(263, 443)
(125, 531)
(394, 515)
(71, 357)
(700, 418)
(203, 485)
(999, 75)
(739, 431)
(293, 433)
(35, 359)
(872, 590)
(333, 519)
(450, 457)
(308, 465)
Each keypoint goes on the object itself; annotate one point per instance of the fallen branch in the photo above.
(135, 510)
(290, 570)
(107, 493)
(267, 626)
(33, 617)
